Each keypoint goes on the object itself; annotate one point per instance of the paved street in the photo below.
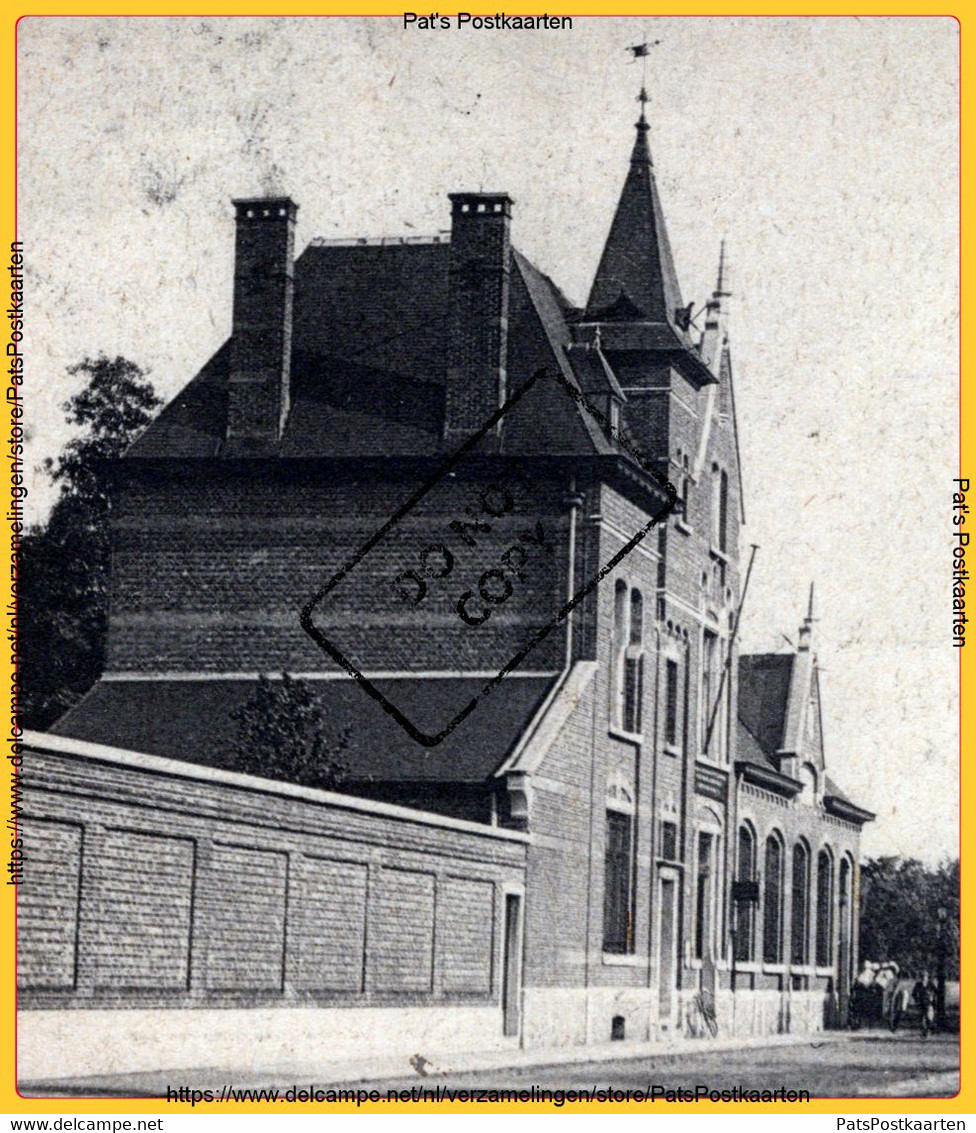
(902, 1065)
(836, 1065)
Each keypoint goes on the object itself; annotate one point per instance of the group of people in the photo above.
(881, 993)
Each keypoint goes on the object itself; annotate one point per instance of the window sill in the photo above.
(672, 749)
(776, 969)
(824, 971)
(669, 863)
(748, 966)
(628, 737)
(721, 556)
(680, 525)
(622, 960)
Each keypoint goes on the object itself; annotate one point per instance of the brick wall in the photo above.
(148, 884)
(211, 574)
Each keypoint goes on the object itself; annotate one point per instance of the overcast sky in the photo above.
(825, 151)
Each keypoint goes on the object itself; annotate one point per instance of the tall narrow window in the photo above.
(669, 841)
(825, 904)
(671, 702)
(620, 641)
(745, 911)
(708, 685)
(703, 897)
(662, 550)
(799, 904)
(686, 490)
(620, 614)
(633, 666)
(723, 510)
(773, 902)
(616, 892)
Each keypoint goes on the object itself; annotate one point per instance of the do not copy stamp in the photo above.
(482, 563)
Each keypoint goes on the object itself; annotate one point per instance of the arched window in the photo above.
(720, 508)
(773, 901)
(628, 646)
(619, 614)
(825, 906)
(799, 904)
(745, 911)
(634, 665)
(708, 683)
(618, 867)
(671, 702)
(844, 912)
(685, 490)
(723, 510)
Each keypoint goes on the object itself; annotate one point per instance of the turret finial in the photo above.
(641, 51)
(721, 284)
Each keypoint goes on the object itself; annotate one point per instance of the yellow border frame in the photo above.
(965, 1102)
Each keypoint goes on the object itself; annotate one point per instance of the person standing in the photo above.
(923, 995)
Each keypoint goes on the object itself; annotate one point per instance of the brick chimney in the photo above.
(260, 362)
(478, 310)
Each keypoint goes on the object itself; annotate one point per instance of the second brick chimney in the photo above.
(260, 362)
(478, 310)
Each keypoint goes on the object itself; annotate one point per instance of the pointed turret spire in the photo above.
(806, 630)
(713, 336)
(636, 276)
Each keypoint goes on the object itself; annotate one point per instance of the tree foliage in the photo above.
(900, 902)
(282, 733)
(63, 565)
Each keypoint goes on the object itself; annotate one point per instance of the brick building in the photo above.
(632, 824)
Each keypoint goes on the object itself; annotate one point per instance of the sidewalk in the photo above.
(349, 1073)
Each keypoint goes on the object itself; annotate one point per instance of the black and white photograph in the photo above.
(492, 584)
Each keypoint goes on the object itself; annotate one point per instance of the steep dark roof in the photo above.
(191, 720)
(369, 360)
(764, 689)
(748, 750)
(636, 279)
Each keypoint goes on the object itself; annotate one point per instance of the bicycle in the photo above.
(704, 1005)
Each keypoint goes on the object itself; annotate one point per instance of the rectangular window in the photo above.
(633, 692)
(773, 903)
(745, 914)
(703, 902)
(669, 841)
(616, 889)
(799, 902)
(708, 685)
(662, 547)
(723, 510)
(671, 703)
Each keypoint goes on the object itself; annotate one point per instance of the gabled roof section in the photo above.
(768, 683)
(193, 721)
(539, 335)
(636, 279)
(368, 366)
(764, 689)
